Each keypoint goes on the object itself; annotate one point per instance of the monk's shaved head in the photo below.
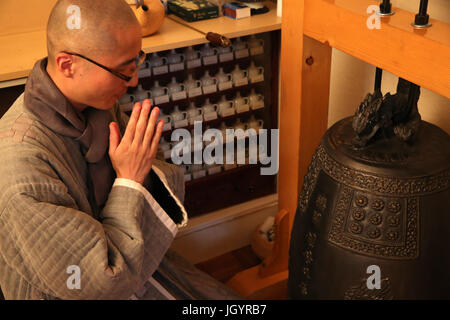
(87, 27)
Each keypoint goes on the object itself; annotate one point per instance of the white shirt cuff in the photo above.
(160, 213)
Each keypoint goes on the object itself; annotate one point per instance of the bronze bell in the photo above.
(376, 196)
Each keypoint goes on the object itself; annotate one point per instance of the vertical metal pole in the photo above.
(386, 8)
(422, 18)
(378, 77)
(423, 7)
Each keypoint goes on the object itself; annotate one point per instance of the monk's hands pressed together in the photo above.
(132, 156)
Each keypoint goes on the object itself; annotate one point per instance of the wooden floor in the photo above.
(224, 267)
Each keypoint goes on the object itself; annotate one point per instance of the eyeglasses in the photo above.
(138, 60)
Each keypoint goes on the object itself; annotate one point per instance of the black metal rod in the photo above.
(386, 6)
(423, 7)
(422, 18)
(378, 77)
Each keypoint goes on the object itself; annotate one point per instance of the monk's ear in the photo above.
(64, 63)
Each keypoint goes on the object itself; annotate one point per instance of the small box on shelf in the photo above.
(236, 10)
(193, 10)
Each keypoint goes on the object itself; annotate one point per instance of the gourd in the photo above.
(150, 14)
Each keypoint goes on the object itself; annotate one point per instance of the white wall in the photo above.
(352, 79)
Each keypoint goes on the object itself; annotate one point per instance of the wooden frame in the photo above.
(310, 28)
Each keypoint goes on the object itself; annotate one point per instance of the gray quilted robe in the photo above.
(47, 224)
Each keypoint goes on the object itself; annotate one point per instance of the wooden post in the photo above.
(305, 83)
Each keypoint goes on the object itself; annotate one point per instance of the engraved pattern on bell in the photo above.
(364, 236)
(392, 234)
(394, 206)
(393, 221)
(378, 204)
(303, 289)
(356, 227)
(376, 219)
(373, 182)
(361, 201)
(361, 292)
(373, 232)
(321, 203)
(308, 257)
(306, 273)
(316, 218)
(311, 239)
(358, 214)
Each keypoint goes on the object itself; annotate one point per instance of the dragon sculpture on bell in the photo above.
(379, 116)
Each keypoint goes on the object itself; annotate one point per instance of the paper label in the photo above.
(176, 67)
(160, 70)
(209, 60)
(228, 56)
(227, 112)
(243, 108)
(181, 123)
(225, 85)
(143, 73)
(239, 54)
(195, 92)
(241, 82)
(179, 95)
(161, 99)
(194, 63)
(210, 89)
(210, 116)
(196, 118)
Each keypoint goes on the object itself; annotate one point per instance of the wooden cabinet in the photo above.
(232, 183)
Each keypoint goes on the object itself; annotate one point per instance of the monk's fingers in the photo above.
(149, 133)
(131, 126)
(156, 138)
(114, 137)
(142, 122)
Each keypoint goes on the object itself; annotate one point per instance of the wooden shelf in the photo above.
(243, 27)
(19, 51)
